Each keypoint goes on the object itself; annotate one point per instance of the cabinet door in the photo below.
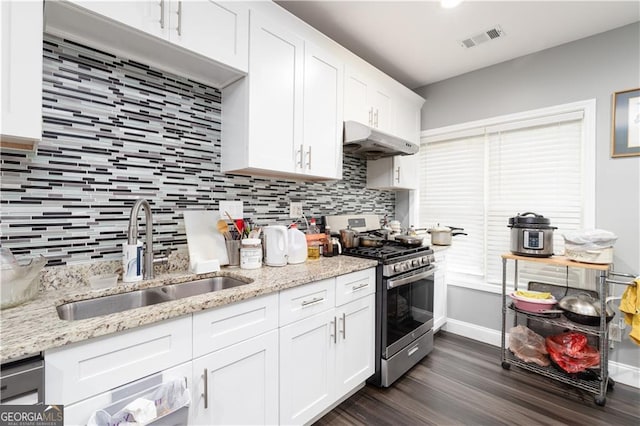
(399, 172)
(83, 369)
(407, 119)
(149, 16)
(21, 73)
(356, 104)
(306, 367)
(355, 348)
(439, 294)
(407, 171)
(381, 103)
(275, 77)
(217, 30)
(241, 385)
(323, 103)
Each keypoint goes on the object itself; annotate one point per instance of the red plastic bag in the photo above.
(571, 352)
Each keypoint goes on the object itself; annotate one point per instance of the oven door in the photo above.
(409, 309)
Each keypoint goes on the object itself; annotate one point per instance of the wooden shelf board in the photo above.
(558, 261)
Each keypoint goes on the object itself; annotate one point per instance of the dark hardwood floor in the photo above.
(462, 383)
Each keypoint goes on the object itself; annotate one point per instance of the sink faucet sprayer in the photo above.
(132, 251)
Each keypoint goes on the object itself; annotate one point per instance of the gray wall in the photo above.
(594, 67)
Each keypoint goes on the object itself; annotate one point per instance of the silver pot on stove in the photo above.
(531, 235)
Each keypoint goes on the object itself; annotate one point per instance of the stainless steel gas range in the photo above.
(404, 299)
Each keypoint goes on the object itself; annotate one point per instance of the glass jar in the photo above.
(251, 253)
(313, 250)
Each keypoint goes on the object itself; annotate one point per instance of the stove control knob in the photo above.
(415, 263)
(397, 267)
(425, 260)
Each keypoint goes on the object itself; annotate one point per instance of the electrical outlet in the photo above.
(234, 208)
(295, 210)
(615, 332)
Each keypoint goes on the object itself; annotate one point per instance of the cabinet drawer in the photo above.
(355, 285)
(306, 300)
(85, 369)
(221, 327)
(80, 412)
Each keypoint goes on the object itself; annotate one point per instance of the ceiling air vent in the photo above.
(488, 35)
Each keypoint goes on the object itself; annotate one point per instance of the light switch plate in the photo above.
(234, 208)
(295, 210)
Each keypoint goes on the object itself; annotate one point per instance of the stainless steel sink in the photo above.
(90, 308)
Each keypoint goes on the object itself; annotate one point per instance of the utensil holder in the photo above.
(233, 251)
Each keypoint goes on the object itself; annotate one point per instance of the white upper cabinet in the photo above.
(216, 30)
(21, 74)
(148, 16)
(285, 118)
(275, 99)
(399, 172)
(323, 104)
(205, 40)
(367, 101)
(402, 171)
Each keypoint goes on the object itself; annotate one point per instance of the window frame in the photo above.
(588, 161)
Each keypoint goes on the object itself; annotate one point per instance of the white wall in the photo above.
(594, 67)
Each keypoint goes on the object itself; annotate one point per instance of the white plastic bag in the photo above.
(589, 239)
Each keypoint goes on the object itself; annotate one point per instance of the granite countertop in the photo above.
(35, 326)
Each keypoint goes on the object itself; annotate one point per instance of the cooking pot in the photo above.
(409, 240)
(370, 241)
(531, 235)
(584, 309)
(441, 235)
(349, 238)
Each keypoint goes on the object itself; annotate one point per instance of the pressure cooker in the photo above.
(531, 235)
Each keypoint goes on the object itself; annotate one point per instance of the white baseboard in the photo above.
(621, 373)
(473, 331)
(625, 374)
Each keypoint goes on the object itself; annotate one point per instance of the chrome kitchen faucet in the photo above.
(132, 238)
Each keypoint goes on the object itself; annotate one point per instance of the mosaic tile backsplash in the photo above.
(115, 130)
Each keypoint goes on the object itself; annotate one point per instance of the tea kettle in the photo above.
(275, 245)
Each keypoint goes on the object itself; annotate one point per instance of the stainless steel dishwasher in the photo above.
(22, 381)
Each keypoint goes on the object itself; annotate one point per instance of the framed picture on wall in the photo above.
(625, 127)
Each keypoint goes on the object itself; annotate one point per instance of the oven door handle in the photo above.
(408, 280)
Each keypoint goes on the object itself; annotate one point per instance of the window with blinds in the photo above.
(477, 177)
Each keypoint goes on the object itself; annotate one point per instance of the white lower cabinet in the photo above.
(355, 347)
(237, 385)
(114, 400)
(439, 292)
(82, 370)
(280, 358)
(306, 364)
(325, 356)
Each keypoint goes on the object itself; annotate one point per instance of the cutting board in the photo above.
(204, 240)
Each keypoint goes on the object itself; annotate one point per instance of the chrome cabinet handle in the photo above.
(398, 174)
(162, 14)
(309, 162)
(179, 18)
(335, 330)
(206, 389)
(313, 301)
(371, 116)
(375, 119)
(344, 326)
(301, 163)
(359, 287)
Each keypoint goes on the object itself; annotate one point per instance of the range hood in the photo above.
(366, 142)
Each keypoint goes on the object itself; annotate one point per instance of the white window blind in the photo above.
(479, 178)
